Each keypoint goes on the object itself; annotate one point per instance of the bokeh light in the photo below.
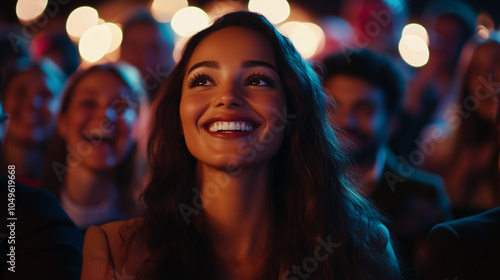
(485, 19)
(217, 9)
(397, 6)
(275, 11)
(95, 43)
(413, 50)
(483, 31)
(417, 30)
(164, 10)
(116, 36)
(80, 20)
(189, 20)
(308, 38)
(338, 29)
(28, 10)
(319, 36)
(179, 46)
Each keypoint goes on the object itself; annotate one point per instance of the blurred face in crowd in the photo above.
(98, 123)
(31, 100)
(446, 40)
(231, 95)
(145, 48)
(361, 115)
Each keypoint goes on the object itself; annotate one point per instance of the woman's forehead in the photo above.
(235, 43)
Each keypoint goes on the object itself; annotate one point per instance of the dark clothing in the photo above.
(414, 201)
(47, 243)
(467, 248)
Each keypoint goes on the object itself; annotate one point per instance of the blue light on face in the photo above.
(129, 115)
(110, 160)
(38, 102)
(111, 115)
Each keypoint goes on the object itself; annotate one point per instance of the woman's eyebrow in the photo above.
(209, 63)
(254, 63)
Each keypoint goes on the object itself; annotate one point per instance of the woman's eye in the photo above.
(200, 80)
(259, 80)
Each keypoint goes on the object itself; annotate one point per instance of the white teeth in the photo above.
(230, 126)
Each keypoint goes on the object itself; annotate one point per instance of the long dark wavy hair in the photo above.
(55, 166)
(312, 195)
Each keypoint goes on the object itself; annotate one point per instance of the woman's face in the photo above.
(98, 123)
(233, 100)
(31, 100)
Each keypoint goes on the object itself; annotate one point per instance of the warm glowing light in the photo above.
(189, 20)
(80, 20)
(275, 11)
(217, 9)
(28, 10)
(483, 31)
(308, 38)
(413, 50)
(417, 30)
(164, 10)
(113, 56)
(318, 34)
(485, 19)
(116, 36)
(95, 43)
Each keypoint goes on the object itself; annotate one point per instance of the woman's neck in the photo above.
(28, 159)
(86, 187)
(238, 205)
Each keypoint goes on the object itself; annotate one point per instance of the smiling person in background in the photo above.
(35, 233)
(92, 155)
(247, 178)
(31, 96)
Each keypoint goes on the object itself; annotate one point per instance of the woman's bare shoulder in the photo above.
(108, 248)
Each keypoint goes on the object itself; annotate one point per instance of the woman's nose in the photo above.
(229, 96)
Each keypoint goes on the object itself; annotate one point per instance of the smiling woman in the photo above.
(239, 88)
(247, 178)
(92, 154)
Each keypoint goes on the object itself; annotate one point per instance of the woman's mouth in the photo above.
(99, 138)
